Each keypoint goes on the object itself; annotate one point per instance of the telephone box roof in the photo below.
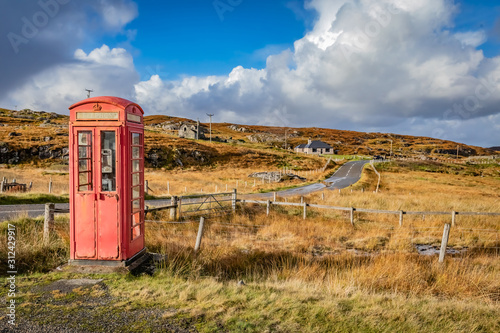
(116, 101)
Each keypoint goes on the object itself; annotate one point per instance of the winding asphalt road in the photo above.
(345, 176)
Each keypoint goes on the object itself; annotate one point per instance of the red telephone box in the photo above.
(106, 138)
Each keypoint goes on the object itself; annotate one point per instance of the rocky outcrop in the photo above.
(275, 176)
(11, 156)
(265, 138)
(461, 152)
(171, 157)
(237, 128)
(155, 157)
(271, 138)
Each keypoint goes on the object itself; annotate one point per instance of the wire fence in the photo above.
(352, 231)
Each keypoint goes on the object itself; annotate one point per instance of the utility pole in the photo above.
(391, 149)
(210, 115)
(286, 129)
(198, 129)
(88, 92)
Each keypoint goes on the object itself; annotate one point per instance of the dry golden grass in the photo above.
(178, 181)
(320, 274)
(40, 177)
(182, 182)
(306, 252)
(374, 255)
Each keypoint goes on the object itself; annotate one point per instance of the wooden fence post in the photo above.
(233, 200)
(173, 210)
(274, 196)
(453, 218)
(1, 186)
(179, 207)
(401, 218)
(352, 215)
(168, 188)
(268, 207)
(323, 195)
(50, 185)
(444, 242)
(48, 222)
(146, 187)
(200, 234)
(305, 210)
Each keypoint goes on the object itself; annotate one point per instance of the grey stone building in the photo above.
(192, 131)
(314, 148)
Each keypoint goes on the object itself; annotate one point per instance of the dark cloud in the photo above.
(37, 35)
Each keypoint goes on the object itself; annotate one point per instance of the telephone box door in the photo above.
(97, 233)
(136, 138)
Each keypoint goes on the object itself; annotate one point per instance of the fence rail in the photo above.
(176, 213)
(366, 210)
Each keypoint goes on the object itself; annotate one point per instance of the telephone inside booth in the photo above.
(108, 167)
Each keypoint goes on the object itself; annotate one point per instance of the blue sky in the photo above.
(421, 67)
(193, 37)
(482, 14)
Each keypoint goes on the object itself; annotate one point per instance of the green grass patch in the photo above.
(32, 198)
(165, 302)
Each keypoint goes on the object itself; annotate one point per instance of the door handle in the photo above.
(109, 195)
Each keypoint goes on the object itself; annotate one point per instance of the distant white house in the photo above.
(314, 148)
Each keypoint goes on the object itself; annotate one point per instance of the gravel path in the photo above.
(88, 309)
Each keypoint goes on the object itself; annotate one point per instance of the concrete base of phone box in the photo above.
(141, 261)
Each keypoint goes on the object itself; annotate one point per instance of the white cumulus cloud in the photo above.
(364, 65)
(106, 71)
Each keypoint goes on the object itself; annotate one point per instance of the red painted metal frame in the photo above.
(101, 221)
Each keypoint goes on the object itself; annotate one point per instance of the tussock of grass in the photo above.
(31, 254)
